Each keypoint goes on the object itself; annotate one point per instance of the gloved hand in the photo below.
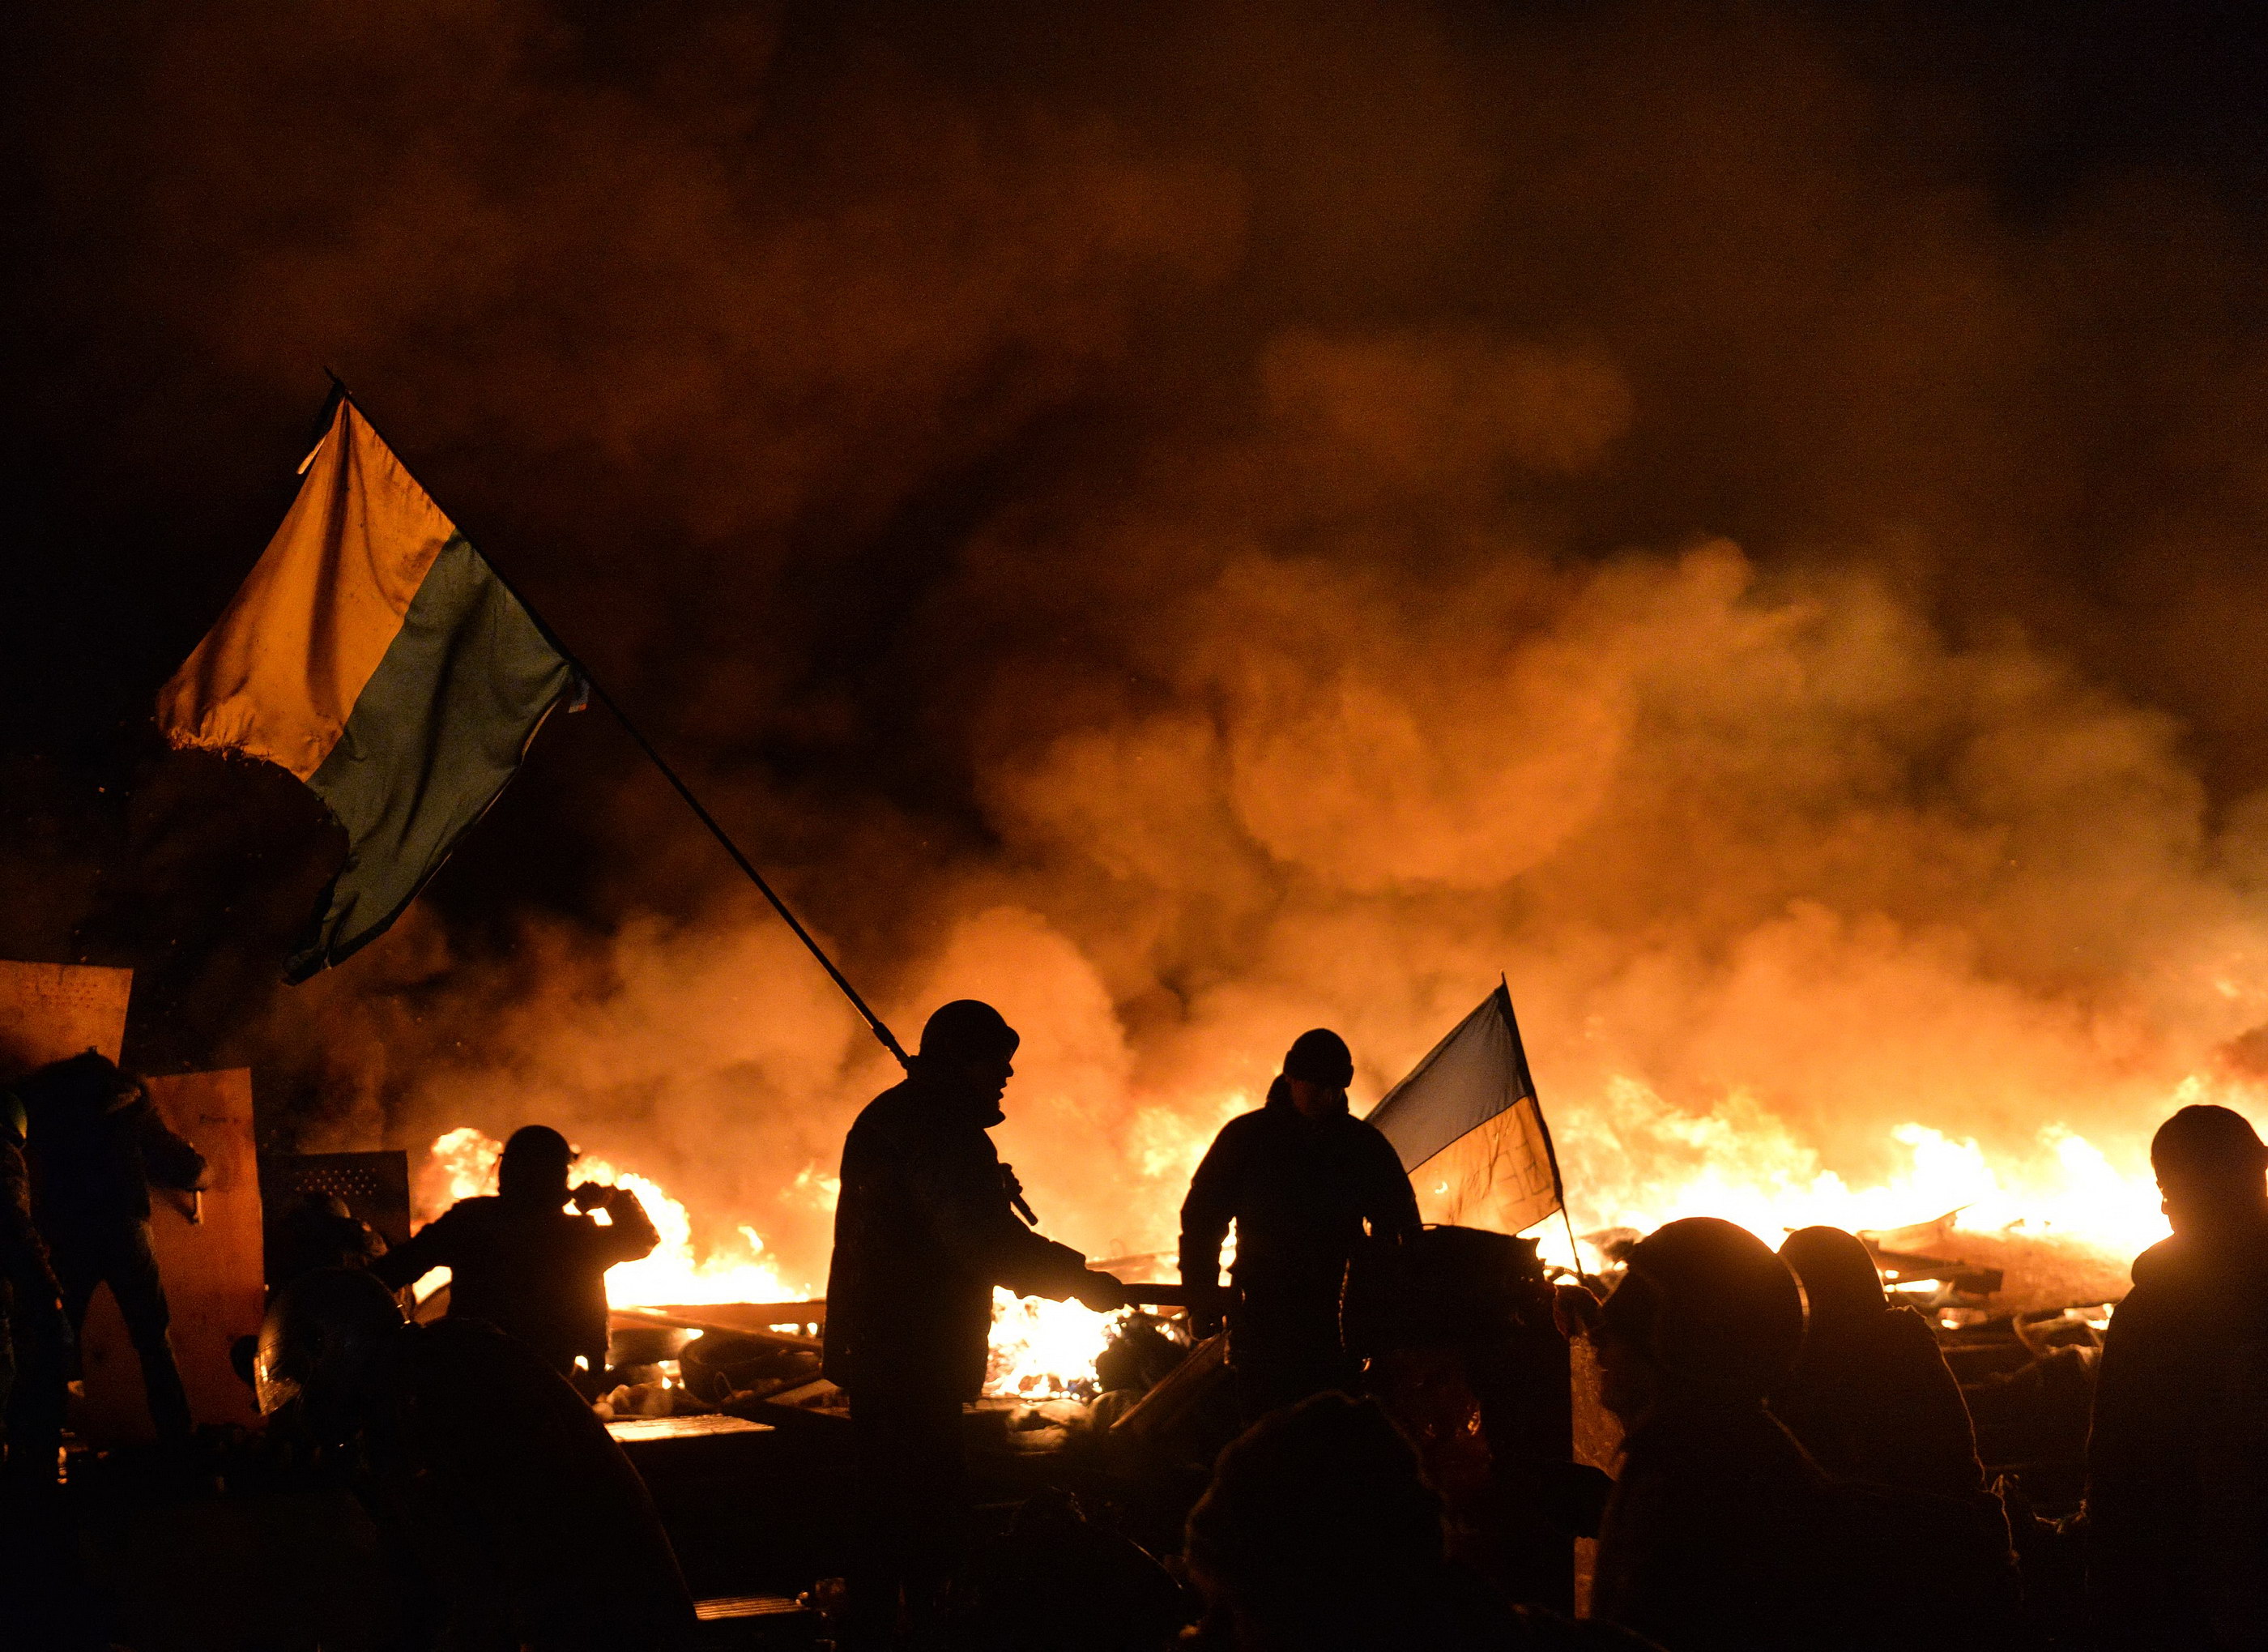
(590, 1196)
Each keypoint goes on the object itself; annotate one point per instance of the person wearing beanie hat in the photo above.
(926, 1228)
(2178, 1460)
(1306, 1183)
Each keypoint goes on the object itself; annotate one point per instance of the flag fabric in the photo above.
(374, 653)
(1477, 1073)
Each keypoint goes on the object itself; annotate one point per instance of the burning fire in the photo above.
(1634, 1161)
(1044, 1349)
(2062, 1215)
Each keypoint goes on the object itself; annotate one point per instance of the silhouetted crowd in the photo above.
(1797, 1467)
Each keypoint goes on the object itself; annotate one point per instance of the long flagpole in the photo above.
(1543, 1124)
(597, 691)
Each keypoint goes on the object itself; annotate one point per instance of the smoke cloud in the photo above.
(1194, 526)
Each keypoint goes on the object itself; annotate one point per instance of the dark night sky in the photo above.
(764, 344)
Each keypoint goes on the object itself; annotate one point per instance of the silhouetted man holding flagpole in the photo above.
(925, 1230)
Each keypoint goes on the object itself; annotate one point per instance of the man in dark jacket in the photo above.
(2177, 1464)
(925, 1230)
(1302, 1179)
(96, 1145)
(34, 1345)
(518, 1261)
(1872, 1397)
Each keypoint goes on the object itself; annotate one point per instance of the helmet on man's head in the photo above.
(322, 1334)
(534, 1161)
(1837, 1273)
(967, 1029)
(1711, 1306)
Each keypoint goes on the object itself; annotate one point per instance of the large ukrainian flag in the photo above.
(374, 653)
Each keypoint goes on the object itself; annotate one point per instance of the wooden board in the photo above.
(49, 1010)
(1598, 1439)
(211, 1269)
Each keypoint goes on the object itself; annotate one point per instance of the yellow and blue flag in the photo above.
(1477, 1073)
(375, 654)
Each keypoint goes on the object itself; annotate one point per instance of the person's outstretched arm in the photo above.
(968, 1200)
(1214, 1193)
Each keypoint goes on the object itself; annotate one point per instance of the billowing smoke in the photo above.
(1201, 526)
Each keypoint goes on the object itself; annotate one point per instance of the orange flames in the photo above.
(1632, 1161)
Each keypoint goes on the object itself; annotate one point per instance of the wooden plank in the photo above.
(211, 1265)
(49, 1010)
(739, 1319)
(1598, 1440)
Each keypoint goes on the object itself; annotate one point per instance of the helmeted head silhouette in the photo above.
(534, 1165)
(1840, 1281)
(322, 1335)
(967, 1029)
(1709, 1306)
(2205, 1140)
